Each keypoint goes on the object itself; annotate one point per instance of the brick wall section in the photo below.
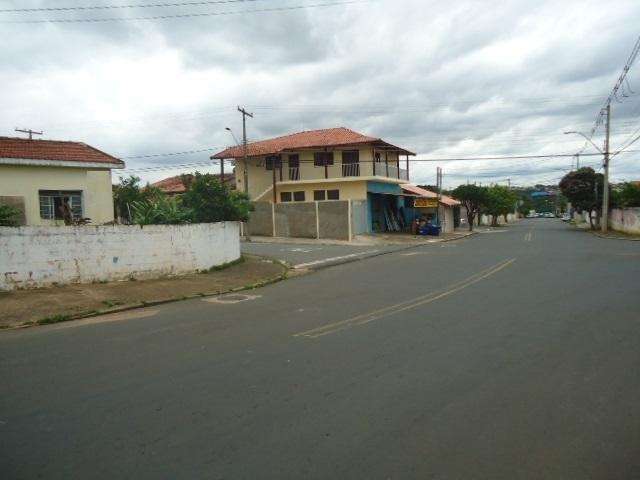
(41, 256)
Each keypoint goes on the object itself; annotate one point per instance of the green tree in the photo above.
(8, 215)
(583, 188)
(473, 198)
(628, 195)
(499, 201)
(212, 201)
(128, 192)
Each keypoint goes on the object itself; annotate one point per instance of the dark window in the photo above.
(320, 159)
(350, 156)
(333, 194)
(285, 196)
(51, 202)
(298, 196)
(272, 160)
(319, 195)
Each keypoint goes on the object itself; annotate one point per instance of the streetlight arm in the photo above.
(587, 139)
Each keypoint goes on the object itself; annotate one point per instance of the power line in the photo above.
(152, 155)
(619, 84)
(186, 15)
(114, 7)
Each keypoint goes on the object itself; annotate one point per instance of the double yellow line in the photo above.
(406, 305)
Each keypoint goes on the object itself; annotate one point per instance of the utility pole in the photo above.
(439, 187)
(605, 192)
(29, 131)
(245, 114)
(577, 161)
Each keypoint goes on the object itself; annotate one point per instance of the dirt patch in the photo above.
(57, 304)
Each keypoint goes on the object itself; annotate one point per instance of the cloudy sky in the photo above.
(444, 79)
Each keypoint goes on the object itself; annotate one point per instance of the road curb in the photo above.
(610, 237)
(151, 303)
(379, 254)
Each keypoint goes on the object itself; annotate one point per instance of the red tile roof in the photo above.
(421, 192)
(173, 185)
(54, 150)
(329, 137)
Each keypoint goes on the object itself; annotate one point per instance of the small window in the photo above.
(319, 195)
(52, 201)
(298, 196)
(272, 160)
(285, 196)
(333, 194)
(320, 159)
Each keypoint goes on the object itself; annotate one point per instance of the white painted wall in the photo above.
(625, 220)
(39, 256)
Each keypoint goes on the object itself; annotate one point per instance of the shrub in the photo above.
(160, 210)
(212, 201)
(9, 215)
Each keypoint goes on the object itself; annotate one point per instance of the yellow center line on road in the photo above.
(403, 306)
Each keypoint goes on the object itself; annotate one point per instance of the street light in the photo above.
(234, 137)
(587, 139)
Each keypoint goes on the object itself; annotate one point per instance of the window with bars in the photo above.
(51, 202)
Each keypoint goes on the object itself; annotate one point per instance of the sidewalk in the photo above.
(368, 240)
(69, 302)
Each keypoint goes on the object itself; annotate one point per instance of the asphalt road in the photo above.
(501, 356)
(314, 255)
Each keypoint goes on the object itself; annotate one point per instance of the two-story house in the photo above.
(324, 165)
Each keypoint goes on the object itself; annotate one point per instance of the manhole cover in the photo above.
(231, 298)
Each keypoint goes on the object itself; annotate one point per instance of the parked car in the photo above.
(566, 217)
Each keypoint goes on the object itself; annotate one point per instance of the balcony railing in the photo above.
(389, 170)
(350, 169)
(346, 170)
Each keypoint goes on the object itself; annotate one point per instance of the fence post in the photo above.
(273, 218)
(350, 220)
(317, 221)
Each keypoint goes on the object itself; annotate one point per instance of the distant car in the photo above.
(531, 215)
(549, 215)
(566, 217)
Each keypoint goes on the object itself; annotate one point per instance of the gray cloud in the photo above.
(458, 79)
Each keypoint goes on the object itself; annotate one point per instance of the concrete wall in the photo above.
(296, 220)
(261, 220)
(327, 219)
(40, 256)
(334, 220)
(625, 220)
(26, 181)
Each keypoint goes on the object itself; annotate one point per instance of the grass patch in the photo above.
(224, 266)
(111, 303)
(54, 319)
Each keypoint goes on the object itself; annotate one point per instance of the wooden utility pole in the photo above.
(605, 192)
(29, 131)
(245, 114)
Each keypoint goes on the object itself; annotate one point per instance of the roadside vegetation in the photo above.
(206, 200)
(494, 201)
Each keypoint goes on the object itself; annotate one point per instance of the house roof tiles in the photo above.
(329, 137)
(54, 150)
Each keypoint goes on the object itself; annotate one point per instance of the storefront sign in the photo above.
(425, 203)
